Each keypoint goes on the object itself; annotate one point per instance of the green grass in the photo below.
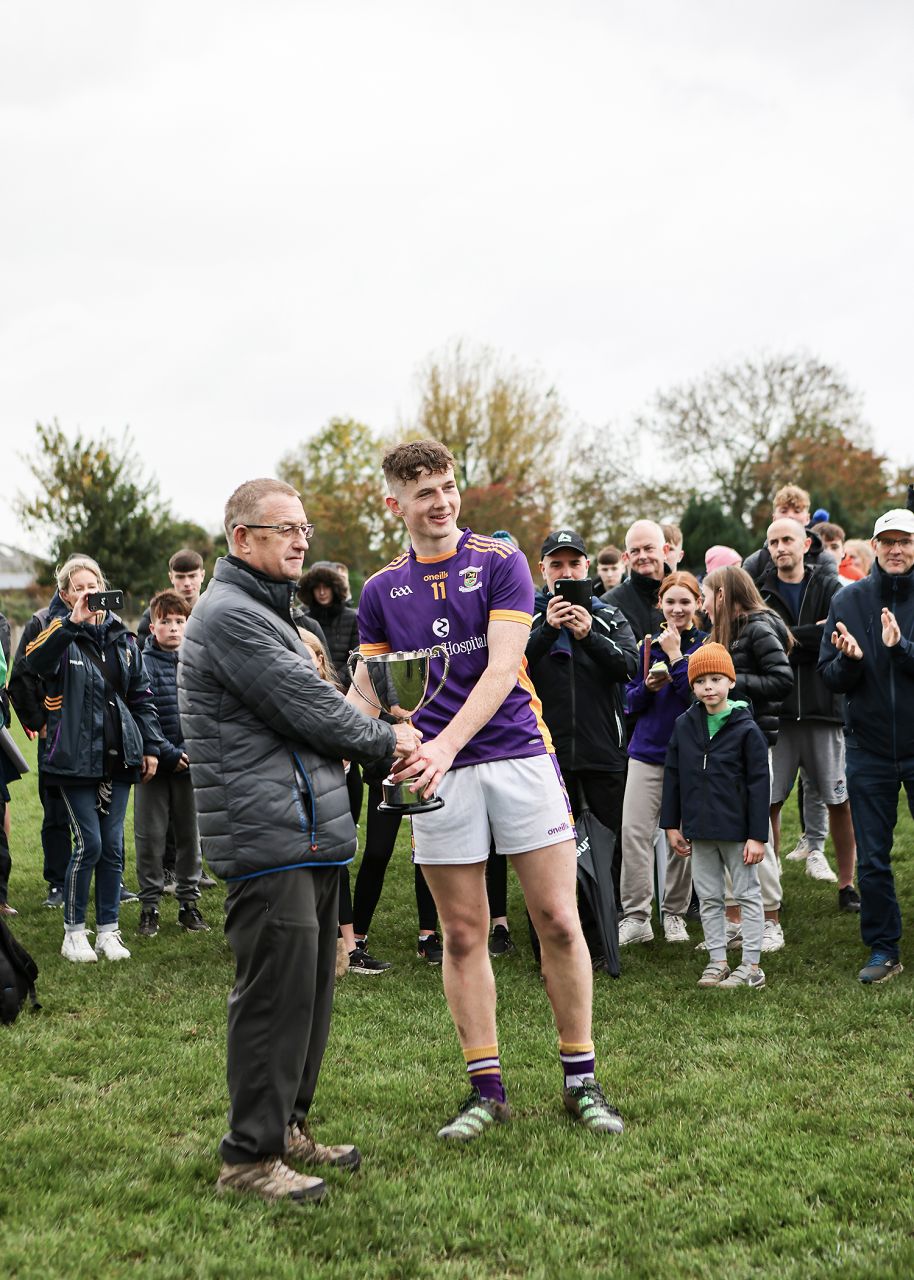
(768, 1133)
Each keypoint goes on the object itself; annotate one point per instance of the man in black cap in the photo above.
(580, 657)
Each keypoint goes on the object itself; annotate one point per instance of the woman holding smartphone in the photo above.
(656, 696)
(103, 735)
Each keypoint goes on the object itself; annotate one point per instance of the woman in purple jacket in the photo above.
(656, 696)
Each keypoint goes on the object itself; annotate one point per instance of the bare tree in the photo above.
(502, 422)
(724, 428)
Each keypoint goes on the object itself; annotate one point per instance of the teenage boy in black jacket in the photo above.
(168, 800)
(715, 809)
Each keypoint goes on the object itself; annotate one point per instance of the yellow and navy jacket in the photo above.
(63, 656)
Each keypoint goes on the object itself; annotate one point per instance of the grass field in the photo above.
(768, 1133)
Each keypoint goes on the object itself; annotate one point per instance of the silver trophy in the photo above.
(407, 686)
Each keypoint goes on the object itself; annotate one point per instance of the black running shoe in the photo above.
(149, 923)
(189, 918)
(54, 898)
(361, 961)
(587, 1104)
(474, 1117)
(127, 895)
(500, 943)
(430, 949)
(849, 899)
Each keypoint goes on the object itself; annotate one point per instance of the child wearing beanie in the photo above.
(716, 796)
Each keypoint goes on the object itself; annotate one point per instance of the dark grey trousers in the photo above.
(282, 929)
(166, 800)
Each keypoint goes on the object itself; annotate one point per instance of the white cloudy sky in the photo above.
(223, 223)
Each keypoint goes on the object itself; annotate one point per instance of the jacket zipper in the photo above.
(574, 719)
(892, 678)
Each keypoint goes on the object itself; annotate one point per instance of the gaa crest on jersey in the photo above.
(471, 579)
(441, 627)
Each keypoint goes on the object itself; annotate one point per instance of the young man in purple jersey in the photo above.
(488, 754)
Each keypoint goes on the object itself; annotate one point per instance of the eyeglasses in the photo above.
(286, 530)
(895, 542)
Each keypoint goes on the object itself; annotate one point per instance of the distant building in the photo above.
(18, 569)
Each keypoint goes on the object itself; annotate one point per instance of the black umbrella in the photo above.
(596, 844)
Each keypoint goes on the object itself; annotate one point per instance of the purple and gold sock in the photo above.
(577, 1062)
(484, 1070)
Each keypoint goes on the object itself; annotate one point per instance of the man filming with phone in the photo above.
(580, 654)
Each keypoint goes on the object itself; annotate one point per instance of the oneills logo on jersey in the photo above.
(471, 581)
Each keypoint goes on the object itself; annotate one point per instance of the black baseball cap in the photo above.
(562, 539)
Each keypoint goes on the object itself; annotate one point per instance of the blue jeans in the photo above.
(873, 783)
(98, 843)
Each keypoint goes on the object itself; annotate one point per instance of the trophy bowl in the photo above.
(401, 681)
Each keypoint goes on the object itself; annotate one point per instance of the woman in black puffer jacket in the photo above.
(758, 642)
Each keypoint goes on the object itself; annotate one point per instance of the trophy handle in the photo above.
(438, 651)
(352, 662)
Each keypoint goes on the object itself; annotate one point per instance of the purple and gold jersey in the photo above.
(449, 601)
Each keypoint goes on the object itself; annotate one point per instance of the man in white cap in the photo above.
(868, 653)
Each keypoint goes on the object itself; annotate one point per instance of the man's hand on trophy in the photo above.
(408, 739)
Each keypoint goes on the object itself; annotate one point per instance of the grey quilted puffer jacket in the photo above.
(265, 735)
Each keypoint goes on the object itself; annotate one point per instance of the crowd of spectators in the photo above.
(682, 714)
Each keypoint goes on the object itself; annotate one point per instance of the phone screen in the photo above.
(575, 591)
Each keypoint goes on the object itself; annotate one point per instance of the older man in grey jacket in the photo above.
(266, 738)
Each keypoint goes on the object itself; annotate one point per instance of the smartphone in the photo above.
(102, 601)
(575, 591)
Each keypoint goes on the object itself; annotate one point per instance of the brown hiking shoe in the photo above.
(271, 1179)
(304, 1149)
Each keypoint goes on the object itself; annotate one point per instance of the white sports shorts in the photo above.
(521, 804)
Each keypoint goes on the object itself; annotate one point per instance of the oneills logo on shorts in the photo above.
(471, 581)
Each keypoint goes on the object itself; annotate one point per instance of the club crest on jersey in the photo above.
(441, 627)
(471, 579)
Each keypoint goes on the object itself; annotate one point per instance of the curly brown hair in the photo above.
(406, 461)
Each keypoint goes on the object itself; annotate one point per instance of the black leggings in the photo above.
(380, 838)
(497, 883)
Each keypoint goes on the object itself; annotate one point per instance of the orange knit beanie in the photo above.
(710, 660)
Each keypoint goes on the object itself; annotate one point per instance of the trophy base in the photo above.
(399, 799)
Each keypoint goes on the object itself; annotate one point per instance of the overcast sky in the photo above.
(224, 223)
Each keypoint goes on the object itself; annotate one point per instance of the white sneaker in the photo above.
(76, 947)
(109, 945)
(674, 929)
(632, 930)
(734, 936)
(801, 851)
(773, 936)
(817, 867)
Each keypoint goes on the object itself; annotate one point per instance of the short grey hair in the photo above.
(243, 507)
(64, 572)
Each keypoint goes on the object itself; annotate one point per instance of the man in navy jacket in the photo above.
(867, 654)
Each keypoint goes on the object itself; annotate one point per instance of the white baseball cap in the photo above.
(899, 521)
